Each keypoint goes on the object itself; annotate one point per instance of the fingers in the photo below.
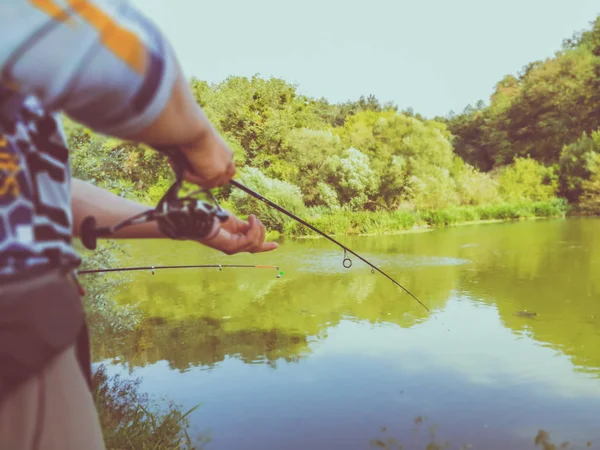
(249, 241)
(232, 244)
(253, 238)
(211, 161)
(208, 183)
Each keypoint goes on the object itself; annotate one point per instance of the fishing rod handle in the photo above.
(89, 233)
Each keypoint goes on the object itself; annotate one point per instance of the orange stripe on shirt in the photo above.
(121, 42)
(52, 9)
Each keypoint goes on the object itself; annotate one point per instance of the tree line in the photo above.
(536, 140)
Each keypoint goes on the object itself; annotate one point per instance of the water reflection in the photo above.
(354, 354)
(204, 341)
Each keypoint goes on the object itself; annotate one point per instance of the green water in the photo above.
(327, 357)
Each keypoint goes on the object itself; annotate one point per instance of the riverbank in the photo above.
(359, 223)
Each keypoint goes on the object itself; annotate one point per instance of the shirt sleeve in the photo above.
(99, 61)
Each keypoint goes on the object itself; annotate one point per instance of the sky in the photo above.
(432, 55)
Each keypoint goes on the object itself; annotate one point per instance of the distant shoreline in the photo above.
(346, 223)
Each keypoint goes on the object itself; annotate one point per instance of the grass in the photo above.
(130, 420)
(345, 222)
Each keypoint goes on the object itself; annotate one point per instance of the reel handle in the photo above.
(89, 233)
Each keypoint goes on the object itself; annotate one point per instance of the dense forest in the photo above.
(368, 166)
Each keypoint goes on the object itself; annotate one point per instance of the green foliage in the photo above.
(411, 157)
(336, 115)
(434, 189)
(500, 211)
(345, 222)
(351, 176)
(527, 180)
(258, 114)
(124, 168)
(280, 192)
(307, 150)
(579, 163)
(158, 190)
(549, 105)
(366, 155)
(474, 187)
(512, 211)
(130, 420)
(590, 199)
(327, 196)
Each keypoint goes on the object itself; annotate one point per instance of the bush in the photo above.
(433, 189)
(345, 222)
(579, 162)
(474, 187)
(449, 216)
(131, 421)
(282, 193)
(326, 196)
(557, 207)
(589, 202)
(352, 177)
(527, 180)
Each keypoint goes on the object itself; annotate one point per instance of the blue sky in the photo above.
(434, 56)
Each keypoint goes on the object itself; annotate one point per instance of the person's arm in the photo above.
(234, 236)
(108, 209)
(106, 66)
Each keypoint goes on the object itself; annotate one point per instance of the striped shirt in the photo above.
(99, 61)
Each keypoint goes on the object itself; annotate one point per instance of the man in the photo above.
(106, 66)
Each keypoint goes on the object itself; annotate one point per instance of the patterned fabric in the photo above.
(35, 190)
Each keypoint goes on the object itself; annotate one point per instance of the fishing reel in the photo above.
(176, 217)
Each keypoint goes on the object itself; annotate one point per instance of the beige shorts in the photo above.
(53, 410)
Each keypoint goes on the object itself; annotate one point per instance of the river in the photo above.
(326, 357)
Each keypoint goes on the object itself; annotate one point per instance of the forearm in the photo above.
(108, 209)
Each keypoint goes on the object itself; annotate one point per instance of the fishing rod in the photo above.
(197, 266)
(347, 262)
(189, 218)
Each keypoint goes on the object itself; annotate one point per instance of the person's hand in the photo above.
(211, 160)
(238, 236)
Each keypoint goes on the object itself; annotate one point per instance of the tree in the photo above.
(548, 105)
(579, 162)
(258, 114)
